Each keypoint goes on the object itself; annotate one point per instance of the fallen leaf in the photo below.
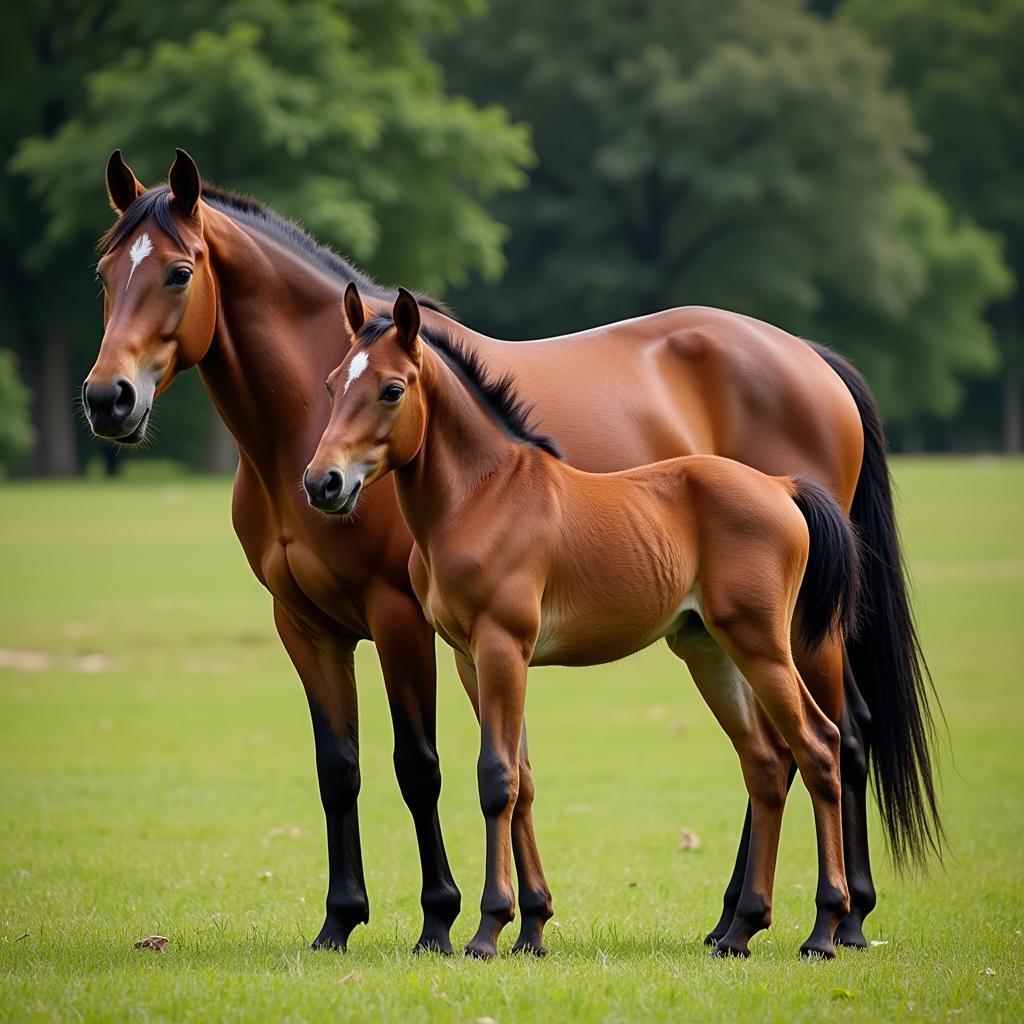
(633, 885)
(688, 839)
(843, 993)
(353, 976)
(989, 971)
(154, 942)
(21, 937)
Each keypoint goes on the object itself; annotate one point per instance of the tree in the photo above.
(16, 434)
(960, 65)
(330, 111)
(739, 153)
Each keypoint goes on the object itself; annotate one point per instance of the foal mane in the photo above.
(155, 204)
(497, 396)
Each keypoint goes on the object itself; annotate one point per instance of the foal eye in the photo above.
(392, 393)
(180, 277)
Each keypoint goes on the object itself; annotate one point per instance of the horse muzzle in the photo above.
(117, 411)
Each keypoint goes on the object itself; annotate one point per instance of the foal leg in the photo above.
(405, 646)
(765, 762)
(328, 677)
(762, 655)
(535, 907)
(501, 671)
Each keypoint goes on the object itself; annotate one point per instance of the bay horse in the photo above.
(194, 276)
(521, 560)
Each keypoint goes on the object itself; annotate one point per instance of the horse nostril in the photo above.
(332, 485)
(124, 398)
(85, 395)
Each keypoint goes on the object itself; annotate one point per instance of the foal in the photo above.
(521, 560)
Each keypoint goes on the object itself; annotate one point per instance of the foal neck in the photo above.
(463, 448)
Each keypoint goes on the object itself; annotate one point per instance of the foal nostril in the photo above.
(124, 398)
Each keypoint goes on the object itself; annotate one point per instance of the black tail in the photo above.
(885, 653)
(828, 597)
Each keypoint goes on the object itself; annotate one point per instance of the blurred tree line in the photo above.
(849, 170)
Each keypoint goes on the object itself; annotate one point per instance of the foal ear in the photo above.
(186, 186)
(123, 187)
(406, 316)
(356, 314)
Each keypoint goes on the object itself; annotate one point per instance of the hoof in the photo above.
(851, 935)
(726, 950)
(481, 950)
(332, 936)
(817, 951)
(713, 938)
(440, 944)
(528, 948)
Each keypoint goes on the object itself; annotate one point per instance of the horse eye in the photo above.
(180, 277)
(392, 393)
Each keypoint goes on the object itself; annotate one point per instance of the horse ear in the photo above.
(406, 316)
(186, 185)
(355, 312)
(123, 187)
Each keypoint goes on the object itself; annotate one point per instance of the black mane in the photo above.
(155, 204)
(497, 396)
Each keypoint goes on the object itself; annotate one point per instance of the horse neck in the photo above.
(462, 448)
(279, 334)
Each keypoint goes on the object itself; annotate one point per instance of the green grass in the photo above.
(172, 792)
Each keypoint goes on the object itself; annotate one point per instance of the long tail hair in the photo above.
(885, 653)
(829, 593)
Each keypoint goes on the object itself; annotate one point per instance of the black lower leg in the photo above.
(337, 766)
(854, 771)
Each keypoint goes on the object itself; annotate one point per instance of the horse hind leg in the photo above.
(760, 650)
(765, 763)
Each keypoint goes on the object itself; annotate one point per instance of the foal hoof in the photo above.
(527, 948)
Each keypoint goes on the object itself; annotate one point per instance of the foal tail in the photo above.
(830, 591)
(885, 654)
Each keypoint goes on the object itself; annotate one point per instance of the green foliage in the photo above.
(742, 154)
(16, 433)
(916, 361)
(960, 66)
(331, 112)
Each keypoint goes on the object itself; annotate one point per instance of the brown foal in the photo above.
(520, 560)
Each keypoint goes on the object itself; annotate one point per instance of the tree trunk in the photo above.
(48, 370)
(222, 452)
(1013, 411)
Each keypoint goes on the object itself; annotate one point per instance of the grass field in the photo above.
(157, 778)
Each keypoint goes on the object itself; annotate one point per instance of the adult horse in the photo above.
(194, 276)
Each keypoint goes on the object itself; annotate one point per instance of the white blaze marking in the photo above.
(359, 363)
(137, 253)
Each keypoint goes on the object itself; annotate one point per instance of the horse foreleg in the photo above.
(535, 906)
(405, 646)
(328, 677)
(501, 674)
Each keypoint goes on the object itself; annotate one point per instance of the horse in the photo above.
(521, 560)
(195, 276)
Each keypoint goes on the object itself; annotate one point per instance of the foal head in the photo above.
(159, 297)
(377, 408)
